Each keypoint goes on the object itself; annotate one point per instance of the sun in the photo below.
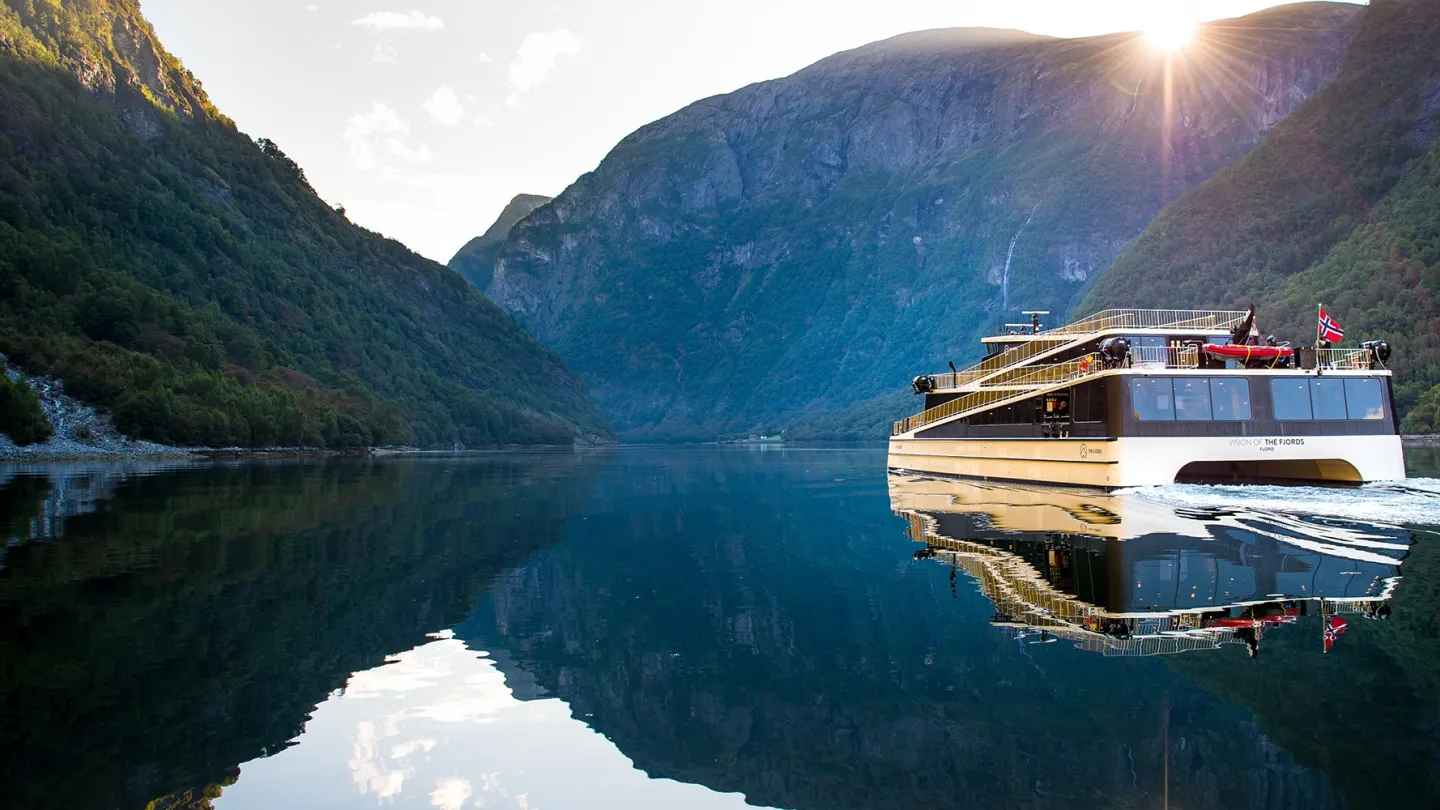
(1170, 34)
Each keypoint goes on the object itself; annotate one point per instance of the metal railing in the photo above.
(1106, 320)
(1110, 319)
(999, 362)
(1140, 646)
(1165, 356)
(955, 380)
(1012, 584)
(1028, 381)
(1357, 359)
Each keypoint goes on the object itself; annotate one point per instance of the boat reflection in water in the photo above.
(1121, 574)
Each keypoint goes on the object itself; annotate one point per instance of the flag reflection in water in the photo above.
(1122, 574)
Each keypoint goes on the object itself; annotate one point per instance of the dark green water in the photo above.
(698, 628)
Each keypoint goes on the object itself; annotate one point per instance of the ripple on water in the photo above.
(1414, 501)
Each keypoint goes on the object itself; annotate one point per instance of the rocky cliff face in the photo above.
(476, 260)
(1339, 204)
(802, 244)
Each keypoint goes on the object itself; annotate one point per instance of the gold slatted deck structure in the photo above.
(1031, 381)
(1014, 373)
(1017, 590)
(1110, 320)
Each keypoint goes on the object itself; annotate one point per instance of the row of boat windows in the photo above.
(1204, 399)
(1190, 399)
(1328, 399)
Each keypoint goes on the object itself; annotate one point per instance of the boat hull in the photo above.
(1151, 461)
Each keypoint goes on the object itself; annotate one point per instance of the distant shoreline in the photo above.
(260, 454)
(243, 454)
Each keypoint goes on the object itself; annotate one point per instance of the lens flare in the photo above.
(1170, 35)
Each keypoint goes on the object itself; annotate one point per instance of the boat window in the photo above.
(1292, 399)
(1231, 399)
(1364, 399)
(1026, 411)
(1192, 399)
(1087, 402)
(1328, 397)
(1147, 341)
(1152, 399)
(1148, 349)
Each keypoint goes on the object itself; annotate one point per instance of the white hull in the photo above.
(1137, 461)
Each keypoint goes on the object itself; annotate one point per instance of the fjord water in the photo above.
(692, 627)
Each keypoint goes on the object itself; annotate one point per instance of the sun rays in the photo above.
(1170, 34)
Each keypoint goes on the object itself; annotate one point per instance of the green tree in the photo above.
(21, 417)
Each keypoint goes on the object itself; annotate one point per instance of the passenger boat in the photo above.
(1123, 575)
(1132, 397)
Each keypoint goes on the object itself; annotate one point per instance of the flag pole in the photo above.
(1319, 308)
(1324, 624)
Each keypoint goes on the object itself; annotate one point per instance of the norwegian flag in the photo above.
(1334, 626)
(1330, 328)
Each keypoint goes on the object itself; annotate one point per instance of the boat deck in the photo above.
(1023, 371)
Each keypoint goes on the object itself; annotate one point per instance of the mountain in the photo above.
(1339, 204)
(476, 261)
(188, 279)
(800, 245)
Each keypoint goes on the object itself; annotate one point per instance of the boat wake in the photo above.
(1412, 502)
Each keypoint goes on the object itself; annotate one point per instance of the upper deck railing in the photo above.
(1086, 328)
(1025, 384)
(1186, 319)
(1345, 359)
(1015, 383)
(1164, 356)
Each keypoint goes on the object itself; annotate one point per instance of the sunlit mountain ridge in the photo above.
(770, 256)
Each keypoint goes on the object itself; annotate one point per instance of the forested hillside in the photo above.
(779, 253)
(188, 279)
(1340, 204)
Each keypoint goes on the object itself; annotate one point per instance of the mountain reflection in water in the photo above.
(658, 628)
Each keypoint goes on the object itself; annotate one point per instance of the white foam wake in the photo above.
(1412, 502)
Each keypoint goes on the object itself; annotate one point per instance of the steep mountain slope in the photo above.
(168, 268)
(476, 260)
(803, 244)
(1339, 204)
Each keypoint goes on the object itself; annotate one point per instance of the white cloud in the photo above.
(450, 794)
(485, 58)
(536, 58)
(378, 134)
(444, 106)
(483, 121)
(385, 54)
(395, 21)
(312, 8)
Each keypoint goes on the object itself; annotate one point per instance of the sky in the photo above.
(424, 117)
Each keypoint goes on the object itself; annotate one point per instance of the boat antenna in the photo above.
(1035, 319)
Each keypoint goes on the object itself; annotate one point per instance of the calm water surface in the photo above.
(706, 628)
